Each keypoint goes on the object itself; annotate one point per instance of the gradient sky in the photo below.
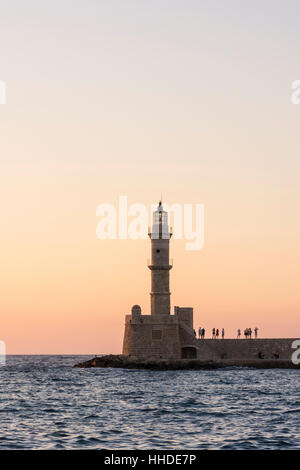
(109, 98)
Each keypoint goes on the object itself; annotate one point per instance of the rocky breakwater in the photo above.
(126, 362)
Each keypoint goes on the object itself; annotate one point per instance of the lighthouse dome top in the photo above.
(160, 222)
(160, 207)
(160, 216)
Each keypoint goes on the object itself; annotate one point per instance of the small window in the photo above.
(156, 334)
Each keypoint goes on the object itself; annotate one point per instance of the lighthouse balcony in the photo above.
(166, 267)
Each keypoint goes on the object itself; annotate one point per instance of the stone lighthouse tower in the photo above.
(161, 335)
(160, 266)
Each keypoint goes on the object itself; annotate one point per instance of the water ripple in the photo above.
(46, 404)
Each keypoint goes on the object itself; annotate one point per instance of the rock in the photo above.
(126, 362)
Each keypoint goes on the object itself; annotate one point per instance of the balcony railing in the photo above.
(160, 266)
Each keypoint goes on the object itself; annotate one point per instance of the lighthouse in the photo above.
(160, 335)
(160, 265)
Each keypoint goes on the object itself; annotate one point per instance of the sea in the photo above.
(45, 403)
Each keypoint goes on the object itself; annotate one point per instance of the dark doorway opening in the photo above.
(189, 353)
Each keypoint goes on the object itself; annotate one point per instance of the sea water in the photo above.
(47, 404)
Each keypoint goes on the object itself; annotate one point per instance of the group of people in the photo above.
(248, 333)
(201, 333)
(216, 333)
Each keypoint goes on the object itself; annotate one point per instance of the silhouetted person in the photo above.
(223, 333)
(256, 332)
(203, 333)
(217, 333)
(239, 333)
(213, 333)
(250, 332)
(200, 332)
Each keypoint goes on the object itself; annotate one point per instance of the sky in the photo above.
(191, 99)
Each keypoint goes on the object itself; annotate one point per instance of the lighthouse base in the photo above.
(158, 336)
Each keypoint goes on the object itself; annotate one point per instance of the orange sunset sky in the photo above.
(135, 98)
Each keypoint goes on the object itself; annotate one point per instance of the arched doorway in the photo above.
(188, 352)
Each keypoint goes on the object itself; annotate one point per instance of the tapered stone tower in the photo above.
(160, 266)
(160, 335)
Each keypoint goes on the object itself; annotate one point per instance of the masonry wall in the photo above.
(152, 338)
(244, 349)
(185, 314)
